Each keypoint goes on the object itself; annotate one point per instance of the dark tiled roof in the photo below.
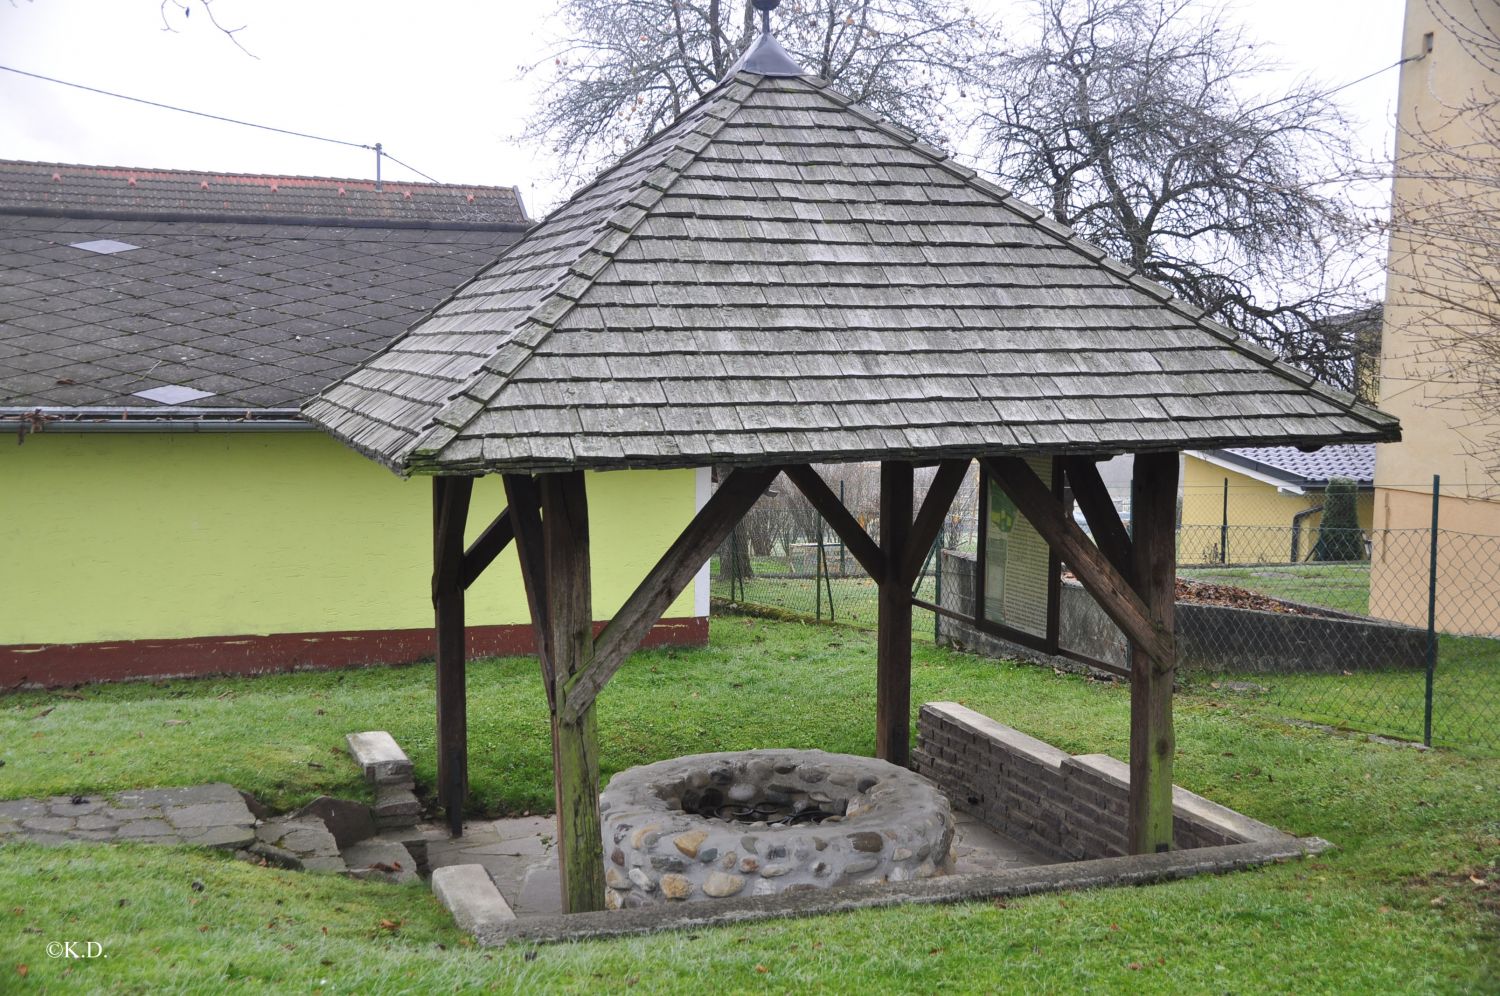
(781, 276)
(261, 315)
(164, 195)
(1354, 461)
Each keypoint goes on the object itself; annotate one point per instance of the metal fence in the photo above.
(1294, 602)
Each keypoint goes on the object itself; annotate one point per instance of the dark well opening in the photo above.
(729, 796)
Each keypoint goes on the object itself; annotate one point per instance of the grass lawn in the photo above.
(1395, 908)
(1343, 587)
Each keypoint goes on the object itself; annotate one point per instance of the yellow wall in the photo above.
(1260, 517)
(131, 536)
(1439, 434)
(1418, 383)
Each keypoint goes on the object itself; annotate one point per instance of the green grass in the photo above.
(1391, 909)
(1342, 587)
(1465, 696)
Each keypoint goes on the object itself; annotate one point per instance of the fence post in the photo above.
(818, 572)
(843, 567)
(1223, 528)
(1432, 569)
(937, 585)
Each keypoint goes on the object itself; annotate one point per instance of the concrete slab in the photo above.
(467, 892)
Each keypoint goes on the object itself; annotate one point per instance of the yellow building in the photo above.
(1265, 505)
(1439, 291)
(167, 511)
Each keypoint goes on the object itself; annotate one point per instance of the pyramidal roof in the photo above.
(780, 276)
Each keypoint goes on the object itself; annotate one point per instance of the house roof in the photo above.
(175, 195)
(1302, 469)
(254, 315)
(781, 276)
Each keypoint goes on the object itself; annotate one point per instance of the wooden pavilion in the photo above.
(781, 278)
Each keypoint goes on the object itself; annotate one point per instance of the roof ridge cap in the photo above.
(464, 405)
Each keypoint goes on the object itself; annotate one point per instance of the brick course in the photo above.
(1070, 807)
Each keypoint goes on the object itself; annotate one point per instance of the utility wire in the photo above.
(218, 117)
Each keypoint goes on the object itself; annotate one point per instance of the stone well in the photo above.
(710, 826)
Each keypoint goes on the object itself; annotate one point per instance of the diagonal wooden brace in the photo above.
(665, 582)
(856, 540)
(1115, 595)
(1099, 509)
(929, 522)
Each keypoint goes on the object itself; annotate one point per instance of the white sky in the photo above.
(436, 82)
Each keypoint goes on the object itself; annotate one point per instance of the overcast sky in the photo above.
(436, 82)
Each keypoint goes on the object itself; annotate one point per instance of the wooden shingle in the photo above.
(780, 275)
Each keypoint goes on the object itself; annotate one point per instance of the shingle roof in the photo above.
(782, 276)
(262, 316)
(1354, 461)
(171, 195)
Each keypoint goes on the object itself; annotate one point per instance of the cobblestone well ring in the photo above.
(759, 822)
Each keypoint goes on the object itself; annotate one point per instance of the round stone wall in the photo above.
(753, 823)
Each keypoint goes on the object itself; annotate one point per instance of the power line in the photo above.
(376, 148)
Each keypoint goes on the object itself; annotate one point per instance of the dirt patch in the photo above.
(1228, 596)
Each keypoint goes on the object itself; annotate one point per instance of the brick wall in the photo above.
(1070, 807)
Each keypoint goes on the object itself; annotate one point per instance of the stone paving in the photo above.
(204, 815)
(521, 856)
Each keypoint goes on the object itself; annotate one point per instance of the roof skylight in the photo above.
(104, 247)
(173, 394)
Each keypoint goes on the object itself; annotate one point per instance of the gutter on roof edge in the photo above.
(28, 421)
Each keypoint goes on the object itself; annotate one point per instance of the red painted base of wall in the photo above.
(51, 665)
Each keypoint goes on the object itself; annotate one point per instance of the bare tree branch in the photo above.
(185, 7)
(629, 67)
(1129, 119)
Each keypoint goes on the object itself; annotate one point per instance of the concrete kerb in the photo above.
(1137, 869)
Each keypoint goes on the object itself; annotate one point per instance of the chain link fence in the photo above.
(1291, 600)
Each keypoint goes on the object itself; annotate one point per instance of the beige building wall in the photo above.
(1421, 383)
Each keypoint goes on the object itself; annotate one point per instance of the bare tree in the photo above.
(1130, 120)
(629, 67)
(1445, 239)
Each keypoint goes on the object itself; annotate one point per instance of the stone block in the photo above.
(298, 842)
(391, 801)
(380, 758)
(470, 895)
(379, 859)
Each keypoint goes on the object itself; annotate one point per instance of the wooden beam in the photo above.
(1099, 509)
(450, 512)
(1109, 587)
(483, 551)
(1152, 741)
(893, 636)
(524, 500)
(667, 579)
(575, 744)
(856, 540)
(924, 532)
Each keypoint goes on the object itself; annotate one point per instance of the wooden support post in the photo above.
(575, 745)
(450, 511)
(1152, 743)
(893, 638)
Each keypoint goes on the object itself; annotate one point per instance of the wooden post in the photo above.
(575, 746)
(893, 638)
(1152, 743)
(450, 511)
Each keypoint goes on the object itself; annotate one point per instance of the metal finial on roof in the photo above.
(765, 55)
